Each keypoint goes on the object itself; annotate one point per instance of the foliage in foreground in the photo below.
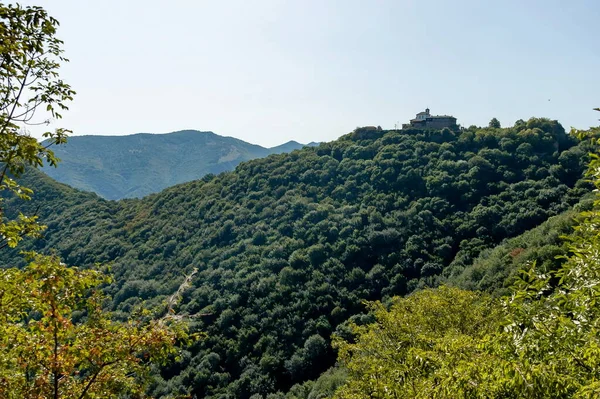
(30, 57)
(56, 340)
(442, 343)
(422, 340)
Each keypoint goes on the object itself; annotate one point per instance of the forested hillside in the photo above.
(289, 246)
(539, 341)
(116, 167)
(495, 270)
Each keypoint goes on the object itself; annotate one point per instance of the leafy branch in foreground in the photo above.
(56, 340)
(30, 58)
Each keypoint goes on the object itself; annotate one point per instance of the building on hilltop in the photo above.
(425, 120)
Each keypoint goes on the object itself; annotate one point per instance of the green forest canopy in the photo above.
(539, 342)
(289, 246)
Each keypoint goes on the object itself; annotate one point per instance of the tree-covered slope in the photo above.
(288, 246)
(131, 166)
(495, 269)
(540, 341)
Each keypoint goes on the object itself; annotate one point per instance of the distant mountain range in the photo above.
(116, 167)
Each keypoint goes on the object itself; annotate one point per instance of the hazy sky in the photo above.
(269, 71)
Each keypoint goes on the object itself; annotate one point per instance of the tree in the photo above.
(543, 341)
(56, 340)
(494, 123)
(422, 340)
(552, 331)
(30, 57)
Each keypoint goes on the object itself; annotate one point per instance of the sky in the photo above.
(270, 71)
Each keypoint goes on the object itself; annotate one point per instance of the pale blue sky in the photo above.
(269, 71)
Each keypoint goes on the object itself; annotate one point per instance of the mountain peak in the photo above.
(136, 165)
(286, 147)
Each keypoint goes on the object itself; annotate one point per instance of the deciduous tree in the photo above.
(30, 59)
(56, 339)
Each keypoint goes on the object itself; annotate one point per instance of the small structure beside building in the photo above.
(424, 120)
